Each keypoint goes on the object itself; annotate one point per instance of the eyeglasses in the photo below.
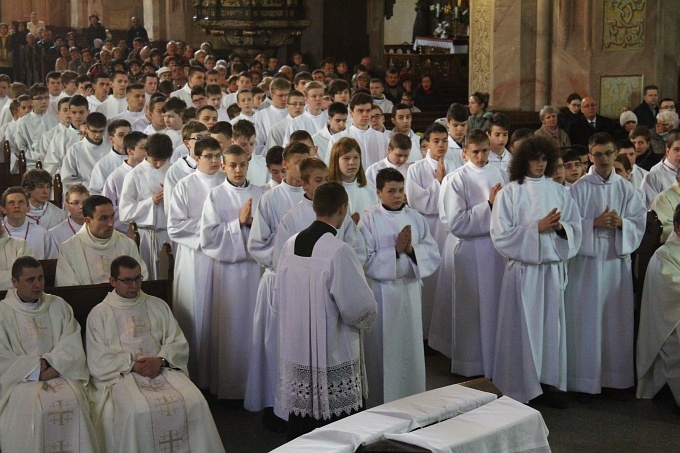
(212, 157)
(74, 203)
(377, 117)
(200, 137)
(571, 165)
(130, 281)
(607, 154)
(577, 104)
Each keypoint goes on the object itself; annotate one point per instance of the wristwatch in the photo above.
(164, 363)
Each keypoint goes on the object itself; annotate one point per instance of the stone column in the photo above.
(154, 11)
(79, 14)
(543, 61)
(376, 31)
(311, 41)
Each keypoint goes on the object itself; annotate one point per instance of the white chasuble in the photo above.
(39, 416)
(395, 361)
(191, 287)
(86, 260)
(134, 413)
(531, 344)
(10, 250)
(235, 279)
(478, 269)
(599, 301)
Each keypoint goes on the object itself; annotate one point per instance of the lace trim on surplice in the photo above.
(321, 392)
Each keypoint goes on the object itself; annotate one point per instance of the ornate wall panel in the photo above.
(481, 36)
(618, 93)
(624, 24)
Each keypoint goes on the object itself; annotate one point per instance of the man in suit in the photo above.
(648, 108)
(591, 122)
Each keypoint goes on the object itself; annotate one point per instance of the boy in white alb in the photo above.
(117, 130)
(62, 141)
(30, 128)
(267, 117)
(192, 294)
(225, 227)
(135, 148)
(116, 103)
(243, 135)
(172, 115)
(313, 118)
(456, 122)
(38, 184)
(337, 121)
(75, 196)
(244, 100)
(83, 156)
(14, 207)
(398, 153)
(499, 124)
(64, 123)
(401, 119)
(295, 102)
(400, 252)
(141, 200)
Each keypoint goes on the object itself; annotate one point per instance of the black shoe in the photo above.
(586, 398)
(617, 394)
(272, 422)
(550, 399)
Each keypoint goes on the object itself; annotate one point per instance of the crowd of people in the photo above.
(315, 248)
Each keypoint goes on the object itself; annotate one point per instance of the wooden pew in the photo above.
(58, 191)
(6, 158)
(38, 164)
(83, 299)
(22, 162)
(12, 179)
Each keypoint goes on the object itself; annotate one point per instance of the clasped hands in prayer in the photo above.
(46, 371)
(148, 366)
(552, 220)
(608, 219)
(245, 217)
(403, 244)
(158, 196)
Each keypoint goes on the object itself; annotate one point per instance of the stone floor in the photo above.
(605, 425)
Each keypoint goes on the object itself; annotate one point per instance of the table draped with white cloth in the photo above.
(449, 419)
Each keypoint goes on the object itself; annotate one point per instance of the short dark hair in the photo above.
(573, 97)
(649, 87)
(530, 149)
(624, 144)
(337, 86)
(159, 146)
(519, 134)
(571, 155)
(234, 150)
(386, 175)
(115, 124)
(482, 97)
(95, 119)
(300, 135)
(132, 139)
(174, 104)
(125, 261)
(78, 100)
(206, 143)
(35, 176)
(337, 108)
(457, 112)
(294, 148)
(274, 156)
(399, 106)
(243, 128)
(400, 141)
(500, 120)
(476, 136)
(640, 131)
(600, 138)
(90, 204)
(436, 128)
(11, 191)
(672, 137)
(360, 99)
(37, 89)
(328, 199)
(222, 127)
(623, 160)
(24, 262)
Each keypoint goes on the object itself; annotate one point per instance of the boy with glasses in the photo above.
(81, 158)
(75, 196)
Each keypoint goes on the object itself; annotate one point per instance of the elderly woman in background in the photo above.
(628, 121)
(665, 121)
(550, 130)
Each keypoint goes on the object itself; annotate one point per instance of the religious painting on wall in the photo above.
(619, 92)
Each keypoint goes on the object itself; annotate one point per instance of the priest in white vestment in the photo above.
(400, 253)
(599, 301)
(322, 303)
(266, 217)
(143, 400)
(10, 249)
(43, 373)
(537, 227)
(664, 205)
(86, 257)
(466, 202)
(234, 276)
(192, 284)
(658, 346)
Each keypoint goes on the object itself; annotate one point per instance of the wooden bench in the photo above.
(11, 179)
(84, 298)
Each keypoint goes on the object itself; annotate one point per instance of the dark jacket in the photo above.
(645, 116)
(565, 118)
(580, 130)
(95, 32)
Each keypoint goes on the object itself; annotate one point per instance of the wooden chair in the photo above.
(58, 189)
(133, 232)
(38, 164)
(22, 162)
(6, 159)
(50, 271)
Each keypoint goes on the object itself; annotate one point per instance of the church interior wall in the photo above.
(399, 28)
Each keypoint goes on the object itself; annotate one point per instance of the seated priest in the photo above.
(43, 372)
(86, 258)
(137, 355)
(658, 348)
